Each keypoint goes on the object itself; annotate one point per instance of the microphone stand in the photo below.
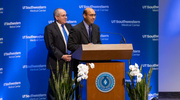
(123, 39)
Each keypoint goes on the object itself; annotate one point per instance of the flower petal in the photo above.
(78, 79)
(91, 65)
(136, 65)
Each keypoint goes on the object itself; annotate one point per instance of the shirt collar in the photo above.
(86, 25)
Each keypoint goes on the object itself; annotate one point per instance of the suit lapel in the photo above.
(84, 31)
(58, 32)
(68, 28)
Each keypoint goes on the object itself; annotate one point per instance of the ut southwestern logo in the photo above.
(1, 12)
(105, 82)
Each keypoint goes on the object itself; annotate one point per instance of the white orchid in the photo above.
(80, 73)
(134, 71)
(83, 71)
(136, 88)
(131, 67)
(78, 79)
(91, 65)
(139, 75)
(136, 66)
(84, 76)
(80, 66)
(86, 72)
(138, 80)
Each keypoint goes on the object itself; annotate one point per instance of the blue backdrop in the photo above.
(23, 73)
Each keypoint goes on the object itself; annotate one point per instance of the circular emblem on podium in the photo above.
(105, 82)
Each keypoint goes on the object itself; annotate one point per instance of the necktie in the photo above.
(90, 33)
(66, 38)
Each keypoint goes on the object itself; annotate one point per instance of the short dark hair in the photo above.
(85, 11)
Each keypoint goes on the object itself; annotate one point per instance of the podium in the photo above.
(106, 80)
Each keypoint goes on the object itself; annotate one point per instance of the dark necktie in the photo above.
(90, 33)
(66, 38)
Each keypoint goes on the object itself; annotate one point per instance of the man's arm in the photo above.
(74, 40)
(49, 40)
(99, 39)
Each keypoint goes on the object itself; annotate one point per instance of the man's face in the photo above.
(62, 18)
(90, 16)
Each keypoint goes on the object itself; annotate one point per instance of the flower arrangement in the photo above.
(62, 85)
(83, 71)
(141, 90)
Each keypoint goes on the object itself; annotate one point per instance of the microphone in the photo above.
(123, 39)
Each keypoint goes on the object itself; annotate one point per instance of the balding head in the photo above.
(60, 15)
(89, 15)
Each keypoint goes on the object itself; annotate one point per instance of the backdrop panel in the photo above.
(23, 73)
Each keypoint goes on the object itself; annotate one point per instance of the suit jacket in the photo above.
(79, 35)
(55, 44)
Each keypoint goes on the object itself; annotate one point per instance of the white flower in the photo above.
(79, 70)
(138, 79)
(80, 73)
(78, 79)
(84, 76)
(83, 71)
(85, 67)
(139, 75)
(91, 65)
(136, 66)
(134, 72)
(80, 66)
(131, 67)
(86, 71)
(134, 69)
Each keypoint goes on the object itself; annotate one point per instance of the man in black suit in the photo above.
(55, 36)
(85, 32)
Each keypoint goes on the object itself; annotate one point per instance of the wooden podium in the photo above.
(100, 86)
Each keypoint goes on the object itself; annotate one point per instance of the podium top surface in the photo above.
(107, 47)
(103, 52)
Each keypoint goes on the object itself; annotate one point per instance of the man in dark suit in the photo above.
(85, 32)
(55, 36)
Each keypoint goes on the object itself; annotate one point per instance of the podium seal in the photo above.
(105, 82)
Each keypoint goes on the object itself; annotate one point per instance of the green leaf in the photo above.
(141, 90)
(62, 84)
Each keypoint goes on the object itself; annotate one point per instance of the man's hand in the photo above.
(89, 43)
(66, 57)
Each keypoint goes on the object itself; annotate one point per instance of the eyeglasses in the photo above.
(92, 15)
(64, 15)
